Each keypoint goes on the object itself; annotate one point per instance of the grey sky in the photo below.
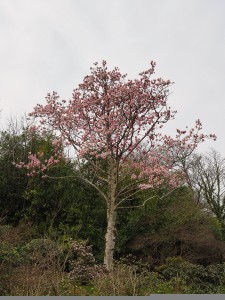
(50, 45)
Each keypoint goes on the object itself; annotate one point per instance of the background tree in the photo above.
(112, 118)
(207, 177)
(14, 146)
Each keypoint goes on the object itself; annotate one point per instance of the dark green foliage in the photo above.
(67, 208)
(15, 185)
(193, 279)
(13, 181)
(170, 227)
(56, 207)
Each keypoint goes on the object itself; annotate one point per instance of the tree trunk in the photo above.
(110, 238)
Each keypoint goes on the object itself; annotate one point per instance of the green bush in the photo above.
(190, 278)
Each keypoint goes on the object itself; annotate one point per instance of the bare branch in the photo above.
(148, 199)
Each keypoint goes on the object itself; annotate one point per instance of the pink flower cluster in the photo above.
(38, 165)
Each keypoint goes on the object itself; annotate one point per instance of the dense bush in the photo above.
(124, 280)
(33, 266)
(27, 267)
(172, 227)
(189, 278)
(176, 276)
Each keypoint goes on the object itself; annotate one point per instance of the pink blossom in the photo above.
(110, 116)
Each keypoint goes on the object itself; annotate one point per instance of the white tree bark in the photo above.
(110, 239)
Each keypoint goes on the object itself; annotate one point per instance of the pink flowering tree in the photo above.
(116, 120)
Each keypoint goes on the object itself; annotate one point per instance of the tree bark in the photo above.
(110, 240)
(110, 237)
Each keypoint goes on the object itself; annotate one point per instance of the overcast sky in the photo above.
(48, 45)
